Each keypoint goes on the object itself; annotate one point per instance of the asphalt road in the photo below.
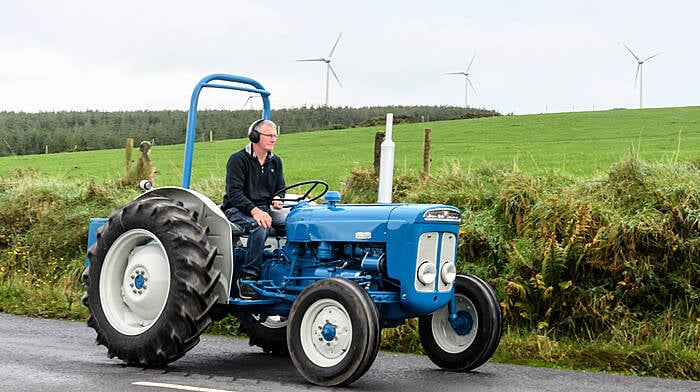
(53, 355)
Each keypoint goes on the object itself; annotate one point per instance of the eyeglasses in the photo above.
(270, 135)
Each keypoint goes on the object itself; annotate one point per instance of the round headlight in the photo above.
(448, 273)
(426, 273)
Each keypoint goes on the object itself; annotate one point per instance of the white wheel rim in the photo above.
(445, 336)
(134, 282)
(321, 351)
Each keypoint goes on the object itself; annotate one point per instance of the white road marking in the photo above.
(176, 386)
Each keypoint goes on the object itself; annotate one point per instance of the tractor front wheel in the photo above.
(150, 282)
(333, 332)
(471, 339)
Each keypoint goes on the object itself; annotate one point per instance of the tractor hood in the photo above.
(353, 222)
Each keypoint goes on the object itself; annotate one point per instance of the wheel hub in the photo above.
(138, 281)
(135, 281)
(328, 332)
(454, 334)
(463, 323)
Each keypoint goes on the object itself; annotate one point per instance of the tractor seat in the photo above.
(238, 231)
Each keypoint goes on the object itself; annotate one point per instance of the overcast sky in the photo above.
(530, 56)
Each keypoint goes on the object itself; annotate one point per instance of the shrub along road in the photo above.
(53, 355)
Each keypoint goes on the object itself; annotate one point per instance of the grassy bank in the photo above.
(595, 274)
(582, 144)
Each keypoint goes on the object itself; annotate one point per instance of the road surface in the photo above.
(54, 355)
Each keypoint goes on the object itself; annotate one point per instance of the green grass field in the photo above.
(580, 144)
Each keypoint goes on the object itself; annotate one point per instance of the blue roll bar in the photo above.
(257, 88)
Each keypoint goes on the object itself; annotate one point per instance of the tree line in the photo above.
(36, 133)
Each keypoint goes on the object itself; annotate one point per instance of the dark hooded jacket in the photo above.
(250, 185)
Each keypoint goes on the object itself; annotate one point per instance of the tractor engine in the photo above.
(324, 259)
(405, 252)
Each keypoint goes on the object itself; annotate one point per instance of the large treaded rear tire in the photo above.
(150, 282)
(270, 333)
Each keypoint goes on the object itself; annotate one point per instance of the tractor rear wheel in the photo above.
(150, 282)
(266, 332)
(473, 337)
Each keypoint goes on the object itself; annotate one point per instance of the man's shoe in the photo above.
(244, 290)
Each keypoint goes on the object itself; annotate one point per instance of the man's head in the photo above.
(263, 133)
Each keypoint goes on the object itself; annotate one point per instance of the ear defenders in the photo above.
(253, 133)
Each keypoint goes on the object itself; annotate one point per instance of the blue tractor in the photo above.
(160, 270)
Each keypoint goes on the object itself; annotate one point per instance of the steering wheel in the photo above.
(305, 195)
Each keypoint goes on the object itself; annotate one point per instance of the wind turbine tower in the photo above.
(467, 82)
(640, 62)
(329, 68)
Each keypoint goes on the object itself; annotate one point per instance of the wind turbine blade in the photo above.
(636, 75)
(334, 75)
(470, 63)
(454, 73)
(631, 52)
(334, 45)
(318, 59)
(651, 57)
(470, 83)
(247, 100)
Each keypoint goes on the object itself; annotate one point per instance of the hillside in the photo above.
(581, 144)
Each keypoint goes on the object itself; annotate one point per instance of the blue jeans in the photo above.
(257, 235)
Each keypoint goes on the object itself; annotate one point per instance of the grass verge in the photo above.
(597, 275)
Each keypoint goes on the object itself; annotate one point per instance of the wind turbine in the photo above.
(250, 99)
(467, 82)
(329, 68)
(639, 71)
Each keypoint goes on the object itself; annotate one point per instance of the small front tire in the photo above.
(333, 332)
(473, 338)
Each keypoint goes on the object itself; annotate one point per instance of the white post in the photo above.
(386, 163)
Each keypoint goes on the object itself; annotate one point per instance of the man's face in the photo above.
(268, 137)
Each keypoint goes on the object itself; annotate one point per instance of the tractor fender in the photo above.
(210, 216)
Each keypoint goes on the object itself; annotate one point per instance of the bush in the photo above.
(577, 257)
(43, 236)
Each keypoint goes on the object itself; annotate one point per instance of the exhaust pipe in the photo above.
(386, 163)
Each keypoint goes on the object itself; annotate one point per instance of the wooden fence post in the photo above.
(427, 135)
(127, 155)
(378, 139)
